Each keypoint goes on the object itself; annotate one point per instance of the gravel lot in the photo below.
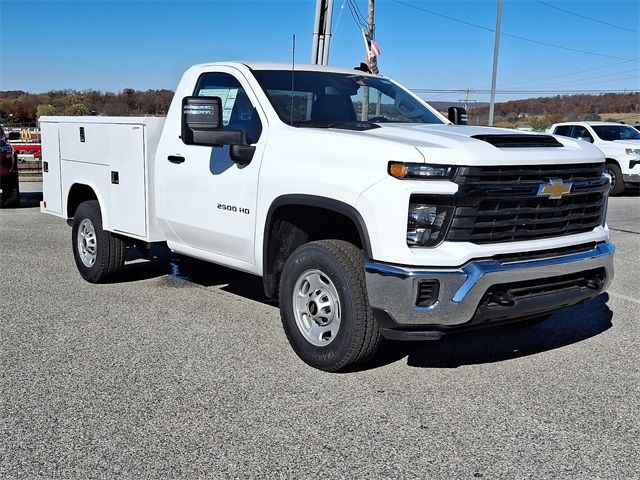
(189, 375)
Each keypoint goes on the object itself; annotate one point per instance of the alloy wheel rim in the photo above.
(87, 243)
(316, 307)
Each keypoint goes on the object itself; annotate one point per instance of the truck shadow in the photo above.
(497, 344)
(174, 270)
(489, 345)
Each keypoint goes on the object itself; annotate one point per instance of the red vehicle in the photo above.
(9, 184)
(27, 148)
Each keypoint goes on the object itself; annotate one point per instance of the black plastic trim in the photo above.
(519, 140)
(321, 202)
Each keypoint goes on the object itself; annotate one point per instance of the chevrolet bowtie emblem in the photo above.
(554, 189)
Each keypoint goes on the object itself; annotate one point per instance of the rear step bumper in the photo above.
(483, 291)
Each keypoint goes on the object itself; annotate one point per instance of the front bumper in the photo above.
(631, 178)
(393, 289)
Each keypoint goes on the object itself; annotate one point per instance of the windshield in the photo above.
(326, 99)
(616, 132)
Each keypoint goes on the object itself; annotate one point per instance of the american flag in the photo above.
(373, 50)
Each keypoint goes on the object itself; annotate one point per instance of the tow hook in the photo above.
(504, 298)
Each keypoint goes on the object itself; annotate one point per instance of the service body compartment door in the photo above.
(51, 179)
(128, 186)
(84, 142)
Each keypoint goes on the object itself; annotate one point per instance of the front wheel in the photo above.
(617, 183)
(324, 306)
(99, 254)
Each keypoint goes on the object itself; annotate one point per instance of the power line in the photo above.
(356, 14)
(588, 80)
(566, 74)
(531, 40)
(588, 18)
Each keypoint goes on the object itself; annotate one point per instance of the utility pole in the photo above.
(371, 33)
(496, 49)
(466, 100)
(322, 32)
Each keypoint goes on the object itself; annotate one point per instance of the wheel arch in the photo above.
(274, 254)
(81, 192)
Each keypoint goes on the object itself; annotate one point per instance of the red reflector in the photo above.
(45, 204)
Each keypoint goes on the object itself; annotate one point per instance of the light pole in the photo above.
(496, 49)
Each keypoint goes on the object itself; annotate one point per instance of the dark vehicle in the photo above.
(9, 185)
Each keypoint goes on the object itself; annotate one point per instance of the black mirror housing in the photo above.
(202, 123)
(458, 115)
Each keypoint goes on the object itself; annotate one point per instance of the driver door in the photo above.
(210, 201)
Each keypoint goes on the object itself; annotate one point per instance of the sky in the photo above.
(436, 45)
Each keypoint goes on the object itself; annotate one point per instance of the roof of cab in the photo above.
(285, 66)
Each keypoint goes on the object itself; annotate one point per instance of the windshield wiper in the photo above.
(345, 125)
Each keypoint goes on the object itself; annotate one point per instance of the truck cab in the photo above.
(366, 212)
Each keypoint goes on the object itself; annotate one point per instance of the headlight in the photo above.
(420, 170)
(632, 151)
(427, 222)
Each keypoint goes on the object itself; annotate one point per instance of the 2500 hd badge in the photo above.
(233, 208)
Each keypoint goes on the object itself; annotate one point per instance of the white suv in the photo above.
(620, 144)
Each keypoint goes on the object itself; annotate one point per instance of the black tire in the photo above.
(10, 200)
(14, 200)
(109, 249)
(358, 335)
(617, 183)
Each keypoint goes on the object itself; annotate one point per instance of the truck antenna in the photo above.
(293, 69)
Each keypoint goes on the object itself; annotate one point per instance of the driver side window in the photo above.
(238, 112)
(581, 132)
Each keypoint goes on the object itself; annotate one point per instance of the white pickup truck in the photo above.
(619, 143)
(387, 221)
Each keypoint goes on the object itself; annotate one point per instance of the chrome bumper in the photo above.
(393, 289)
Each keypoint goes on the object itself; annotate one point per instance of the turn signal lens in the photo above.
(398, 170)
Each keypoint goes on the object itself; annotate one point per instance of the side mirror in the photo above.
(202, 123)
(457, 115)
(586, 139)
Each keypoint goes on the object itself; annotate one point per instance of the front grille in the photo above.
(501, 204)
(529, 173)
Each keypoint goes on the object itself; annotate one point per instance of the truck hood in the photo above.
(453, 144)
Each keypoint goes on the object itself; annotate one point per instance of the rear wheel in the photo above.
(324, 306)
(98, 254)
(617, 184)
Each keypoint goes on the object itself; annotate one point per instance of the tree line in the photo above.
(23, 108)
(544, 111)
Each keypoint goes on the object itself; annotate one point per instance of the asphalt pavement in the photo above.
(181, 370)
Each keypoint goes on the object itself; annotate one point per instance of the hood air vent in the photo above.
(519, 141)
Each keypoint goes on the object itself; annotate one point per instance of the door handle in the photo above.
(175, 158)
